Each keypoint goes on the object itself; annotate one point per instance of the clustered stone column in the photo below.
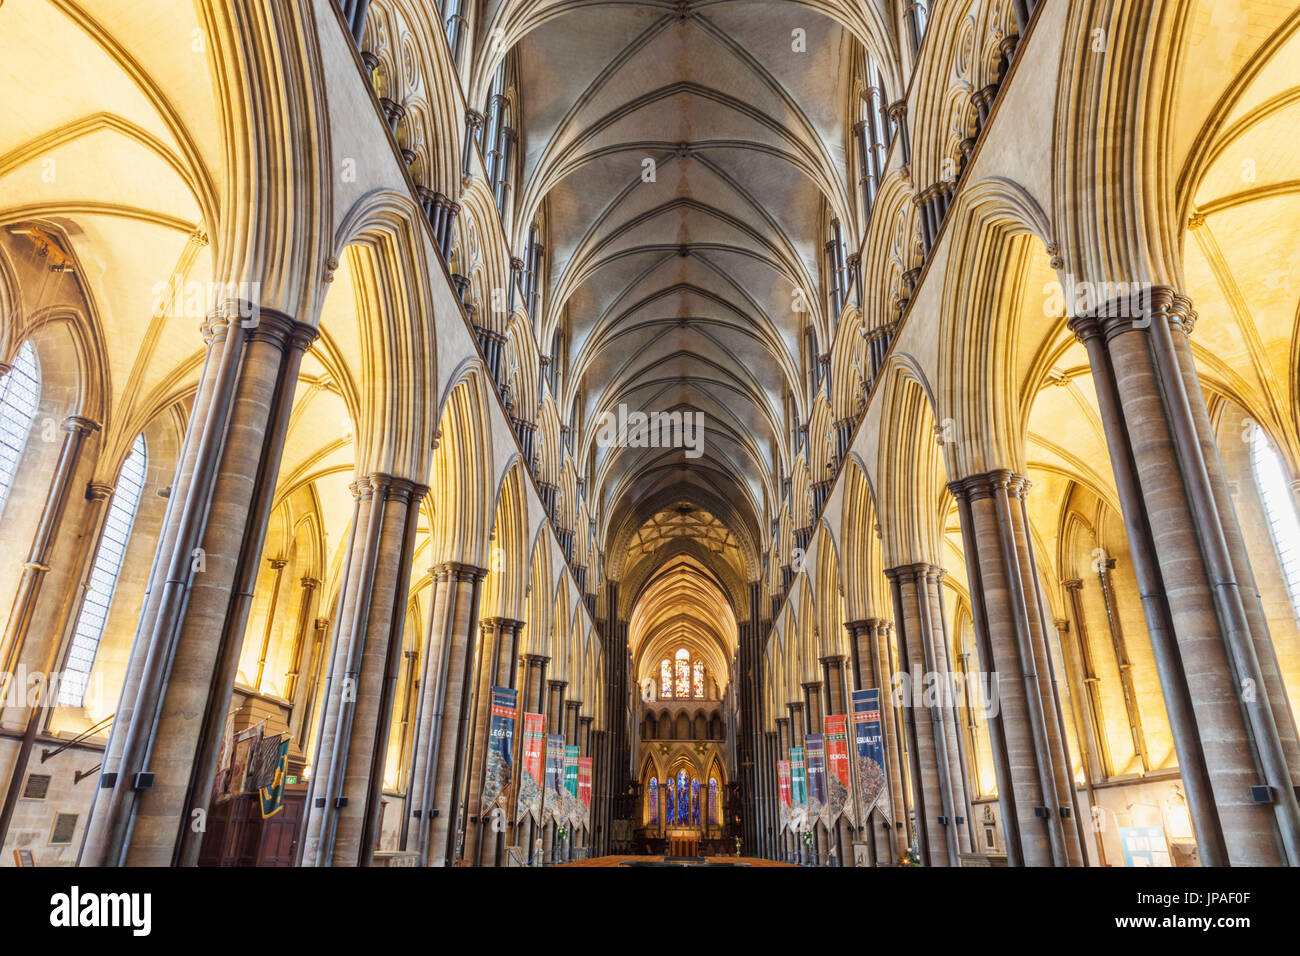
(871, 658)
(835, 690)
(167, 733)
(347, 777)
(940, 796)
(532, 700)
(498, 667)
(1030, 754)
(438, 763)
(783, 744)
(37, 629)
(1232, 727)
(758, 826)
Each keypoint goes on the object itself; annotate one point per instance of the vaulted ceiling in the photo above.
(683, 160)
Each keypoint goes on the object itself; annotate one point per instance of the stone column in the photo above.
(504, 670)
(441, 753)
(343, 821)
(812, 702)
(300, 638)
(532, 700)
(785, 842)
(885, 679)
(1206, 640)
(167, 735)
(21, 642)
(938, 785)
(471, 831)
(795, 708)
(585, 749)
(1031, 758)
(836, 691)
(37, 632)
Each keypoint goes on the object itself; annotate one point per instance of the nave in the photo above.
(855, 433)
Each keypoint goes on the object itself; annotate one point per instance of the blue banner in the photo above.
(500, 758)
(869, 740)
(553, 808)
(815, 745)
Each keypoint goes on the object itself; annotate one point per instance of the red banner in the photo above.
(783, 781)
(530, 783)
(839, 773)
(584, 789)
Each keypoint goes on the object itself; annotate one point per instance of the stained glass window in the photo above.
(682, 682)
(714, 817)
(683, 797)
(695, 802)
(670, 801)
(698, 679)
(652, 801)
(20, 393)
(665, 678)
(103, 577)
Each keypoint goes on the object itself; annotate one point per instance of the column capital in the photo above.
(915, 570)
(98, 490)
(986, 484)
(309, 584)
(461, 572)
(834, 659)
(79, 424)
(1125, 307)
(265, 324)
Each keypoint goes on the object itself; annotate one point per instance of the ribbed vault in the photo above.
(685, 162)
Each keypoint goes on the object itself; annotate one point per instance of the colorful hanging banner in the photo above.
(815, 745)
(571, 810)
(783, 787)
(500, 756)
(553, 802)
(584, 791)
(271, 798)
(869, 746)
(799, 818)
(839, 777)
(530, 779)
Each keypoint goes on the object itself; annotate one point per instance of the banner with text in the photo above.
(499, 777)
(815, 745)
(839, 778)
(530, 779)
(553, 802)
(869, 740)
(783, 787)
(572, 814)
(584, 790)
(799, 819)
